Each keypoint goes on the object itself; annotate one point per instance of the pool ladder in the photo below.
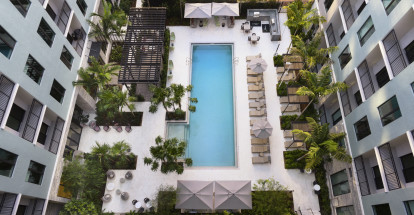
(236, 60)
(188, 61)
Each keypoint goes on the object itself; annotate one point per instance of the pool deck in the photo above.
(145, 182)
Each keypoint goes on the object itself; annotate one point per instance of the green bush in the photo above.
(121, 119)
(165, 58)
(278, 61)
(286, 120)
(116, 54)
(281, 89)
(323, 197)
(79, 207)
(165, 200)
(291, 157)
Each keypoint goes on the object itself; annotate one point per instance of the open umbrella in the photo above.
(225, 9)
(195, 195)
(258, 65)
(197, 10)
(262, 129)
(232, 195)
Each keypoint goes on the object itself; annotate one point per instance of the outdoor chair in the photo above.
(260, 149)
(254, 79)
(106, 128)
(257, 112)
(193, 23)
(93, 126)
(172, 36)
(249, 58)
(256, 95)
(261, 160)
(250, 72)
(258, 38)
(242, 27)
(128, 128)
(249, 38)
(257, 105)
(258, 141)
(259, 87)
(117, 128)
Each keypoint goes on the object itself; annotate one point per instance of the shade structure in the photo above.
(225, 9)
(232, 195)
(195, 195)
(258, 65)
(262, 129)
(197, 10)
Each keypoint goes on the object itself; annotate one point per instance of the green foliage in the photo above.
(121, 119)
(133, 90)
(117, 156)
(323, 197)
(79, 207)
(170, 98)
(125, 5)
(175, 10)
(281, 89)
(116, 54)
(291, 161)
(285, 121)
(165, 200)
(110, 23)
(165, 58)
(167, 152)
(278, 61)
(270, 197)
(111, 102)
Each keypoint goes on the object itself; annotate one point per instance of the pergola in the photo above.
(143, 46)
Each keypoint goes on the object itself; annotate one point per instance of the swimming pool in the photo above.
(211, 128)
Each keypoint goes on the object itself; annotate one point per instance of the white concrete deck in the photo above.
(145, 182)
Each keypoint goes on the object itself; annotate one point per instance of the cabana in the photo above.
(226, 9)
(197, 11)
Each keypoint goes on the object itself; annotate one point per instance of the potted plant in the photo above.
(83, 119)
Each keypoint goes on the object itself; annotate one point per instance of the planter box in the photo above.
(169, 116)
(280, 69)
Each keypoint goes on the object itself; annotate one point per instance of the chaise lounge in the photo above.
(261, 160)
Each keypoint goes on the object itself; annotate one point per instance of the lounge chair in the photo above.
(260, 149)
(128, 128)
(256, 87)
(250, 72)
(254, 79)
(193, 23)
(261, 160)
(106, 128)
(258, 141)
(258, 38)
(249, 58)
(296, 144)
(172, 36)
(261, 112)
(256, 95)
(257, 104)
(117, 128)
(93, 126)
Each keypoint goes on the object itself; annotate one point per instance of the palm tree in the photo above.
(322, 144)
(110, 23)
(170, 98)
(168, 152)
(96, 76)
(111, 102)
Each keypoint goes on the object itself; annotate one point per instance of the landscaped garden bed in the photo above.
(122, 119)
(291, 159)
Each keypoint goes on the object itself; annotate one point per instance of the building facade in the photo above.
(375, 41)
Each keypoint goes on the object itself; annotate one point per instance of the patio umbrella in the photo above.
(195, 195)
(197, 10)
(225, 9)
(262, 129)
(258, 65)
(233, 195)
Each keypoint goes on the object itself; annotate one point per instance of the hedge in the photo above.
(323, 197)
(165, 58)
(285, 121)
(291, 162)
(123, 119)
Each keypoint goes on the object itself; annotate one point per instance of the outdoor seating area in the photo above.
(260, 127)
(107, 128)
(200, 13)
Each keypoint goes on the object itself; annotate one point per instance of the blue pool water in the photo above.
(211, 128)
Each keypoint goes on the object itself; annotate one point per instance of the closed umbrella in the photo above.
(232, 195)
(262, 129)
(197, 10)
(258, 65)
(194, 195)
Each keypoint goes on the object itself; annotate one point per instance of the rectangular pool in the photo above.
(211, 128)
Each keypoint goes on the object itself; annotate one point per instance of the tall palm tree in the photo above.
(112, 100)
(322, 144)
(110, 23)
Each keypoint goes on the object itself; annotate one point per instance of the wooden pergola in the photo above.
(143, 46)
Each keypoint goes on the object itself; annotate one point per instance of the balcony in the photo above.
(351, 97)
(50, 132)
(335, 30)
(59, 11)
(76, 35)
(329, 111)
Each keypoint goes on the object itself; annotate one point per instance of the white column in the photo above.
(45, 4)
(45, 205)
(341, 14)
(381, 168)
(361, 89)
(16, 204)
(39, 124)
(69, 22)
(410, 140)
(385, 58)
(9, 106)
(326, 39)
(366, 1)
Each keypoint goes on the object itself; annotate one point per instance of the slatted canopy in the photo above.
(143, 46)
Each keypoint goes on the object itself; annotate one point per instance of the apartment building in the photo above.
(375, 40)
(42, 43)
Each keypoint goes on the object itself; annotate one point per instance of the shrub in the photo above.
(140, 98)
(121, 119)
(286, 120)
(281, 89)
(165, 200)
(291, 157)
(165, 58)
(79, 207)
(116, 54)
(323, 197)
(133, 90)
(278, 60)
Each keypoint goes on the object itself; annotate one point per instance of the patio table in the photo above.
(316, 187)
(138, 205)
(254, 38)
(246, 27)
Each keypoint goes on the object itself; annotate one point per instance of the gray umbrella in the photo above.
(258, 65)
(262, 129)
(232, 195)
(196, 195)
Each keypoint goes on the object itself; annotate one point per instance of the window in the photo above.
(21, 5)
(341, 143)
(358, 98)
(382, 77)
(361, 8)
(345, 57)
(339, 182)
(389, 111)
(336, 117)
(377, 177)
(407, 162)
(7, 163)
(345, 210)
(6, 43)
(366, 31)
(45, 32)
(362, 128)
(15, 118)
(66, 57)
(328, 4)
(82, 5)
(409, 51)
(35, 173)
(51, 12)
(409, 207)
(382, 209)
(57, 91)
(43, 133)
(33, 69)
(412, 86)
(389, 5)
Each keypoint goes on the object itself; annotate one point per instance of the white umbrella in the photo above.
(262, 129)
(197, 10)
(225, 9)
(258, 65)
(232, 195)
(197, 195)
